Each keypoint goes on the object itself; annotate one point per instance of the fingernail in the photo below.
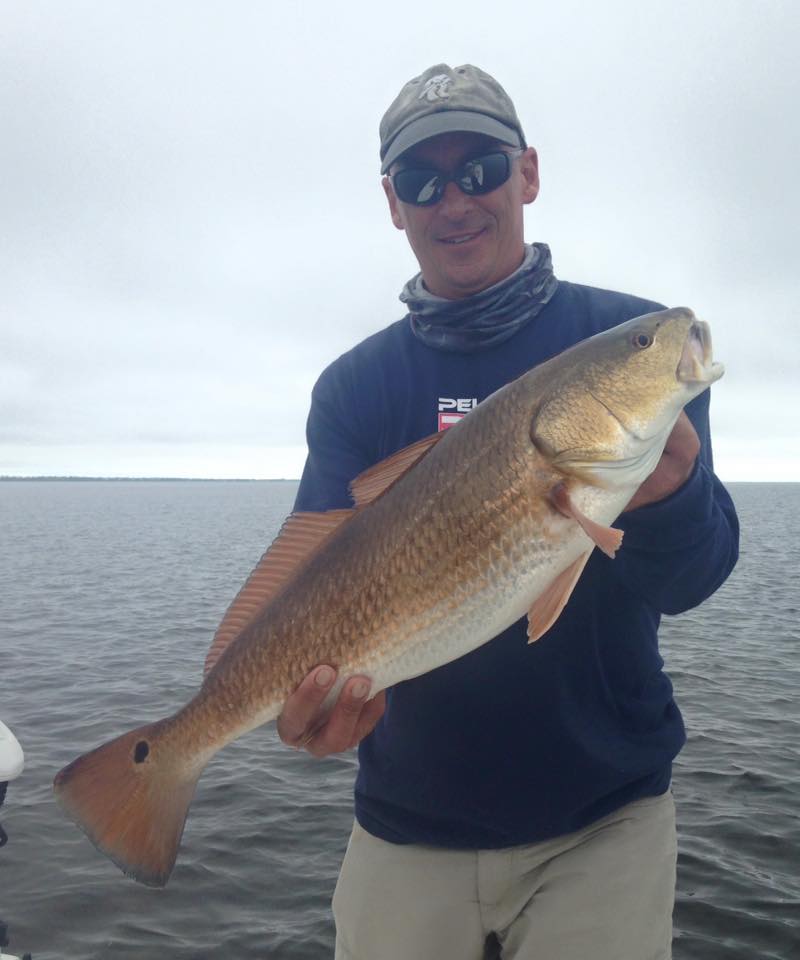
(323, 677)
(359, 689)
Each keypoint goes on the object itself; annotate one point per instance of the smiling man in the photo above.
(464, 242)
(520, 795)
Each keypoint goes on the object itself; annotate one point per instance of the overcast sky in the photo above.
(192, 224)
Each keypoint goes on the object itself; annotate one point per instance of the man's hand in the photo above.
(674, 467)
(352, 718)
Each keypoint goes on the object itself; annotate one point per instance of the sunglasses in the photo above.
(424, 186)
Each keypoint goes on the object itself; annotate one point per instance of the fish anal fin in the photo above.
(608, 539)
(300, 537)
(374, 481)
(548, 606)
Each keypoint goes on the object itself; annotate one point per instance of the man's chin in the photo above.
(465, 281)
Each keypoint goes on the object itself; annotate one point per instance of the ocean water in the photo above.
(109, 595)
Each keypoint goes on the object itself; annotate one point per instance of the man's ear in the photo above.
(529, 166)
(394, 203)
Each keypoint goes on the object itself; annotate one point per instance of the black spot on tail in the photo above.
(141, 751)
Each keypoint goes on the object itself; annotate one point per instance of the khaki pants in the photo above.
(603, 893)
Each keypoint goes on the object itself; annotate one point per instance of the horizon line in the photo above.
(78, 477)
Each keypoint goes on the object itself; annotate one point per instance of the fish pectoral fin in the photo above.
(370, 484)
(299, 537)
(548, 606)
(608, 539)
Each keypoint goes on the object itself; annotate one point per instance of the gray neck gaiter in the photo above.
(487, 318)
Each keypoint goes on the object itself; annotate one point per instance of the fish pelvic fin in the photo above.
(131, 796)
(548, 606)
(608, 539)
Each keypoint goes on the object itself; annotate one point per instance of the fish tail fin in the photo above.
(131, 796)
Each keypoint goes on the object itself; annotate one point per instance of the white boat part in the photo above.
(12, 759)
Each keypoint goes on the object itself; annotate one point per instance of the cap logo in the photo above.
(436, 88)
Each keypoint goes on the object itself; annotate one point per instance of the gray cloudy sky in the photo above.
(192, 225)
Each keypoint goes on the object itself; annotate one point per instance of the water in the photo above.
(109, 595)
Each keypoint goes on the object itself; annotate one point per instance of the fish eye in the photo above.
(642, 341)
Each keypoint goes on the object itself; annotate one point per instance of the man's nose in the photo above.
(454, 203)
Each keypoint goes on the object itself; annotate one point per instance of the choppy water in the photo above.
(109, 594)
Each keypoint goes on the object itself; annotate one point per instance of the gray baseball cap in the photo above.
(447, 100)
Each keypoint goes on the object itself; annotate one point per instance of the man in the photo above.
(520, 792)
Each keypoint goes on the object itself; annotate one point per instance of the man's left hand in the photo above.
(674, 467)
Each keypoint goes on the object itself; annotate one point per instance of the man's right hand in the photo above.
(352, 718)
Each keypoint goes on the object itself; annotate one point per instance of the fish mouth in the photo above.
(696, 364)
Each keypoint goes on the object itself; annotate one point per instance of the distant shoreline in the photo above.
(158, 479)
(68, 479)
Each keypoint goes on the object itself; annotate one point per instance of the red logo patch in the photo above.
(448, 419)
(452, 409)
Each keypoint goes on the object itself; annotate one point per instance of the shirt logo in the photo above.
(451, 410)
(436, 88)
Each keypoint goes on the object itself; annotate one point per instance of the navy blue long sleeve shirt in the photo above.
(516, 743)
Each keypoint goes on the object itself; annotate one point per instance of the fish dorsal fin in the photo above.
(607, 538)
(370, 484)
(299, 537)
(548, 606)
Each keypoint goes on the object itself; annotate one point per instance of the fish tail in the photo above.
(131, 796)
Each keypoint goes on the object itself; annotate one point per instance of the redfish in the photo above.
(520, 490)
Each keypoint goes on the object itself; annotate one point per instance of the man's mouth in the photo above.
(457, 238)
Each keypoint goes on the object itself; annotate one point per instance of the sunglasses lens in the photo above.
(484, 174)
(420, 187)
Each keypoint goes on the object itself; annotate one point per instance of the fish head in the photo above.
(609, 403)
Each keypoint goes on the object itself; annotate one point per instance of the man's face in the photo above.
(465, 244)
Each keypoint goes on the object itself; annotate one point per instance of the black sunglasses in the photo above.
(424, 186)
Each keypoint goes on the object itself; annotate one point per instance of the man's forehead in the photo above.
(447, 148)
